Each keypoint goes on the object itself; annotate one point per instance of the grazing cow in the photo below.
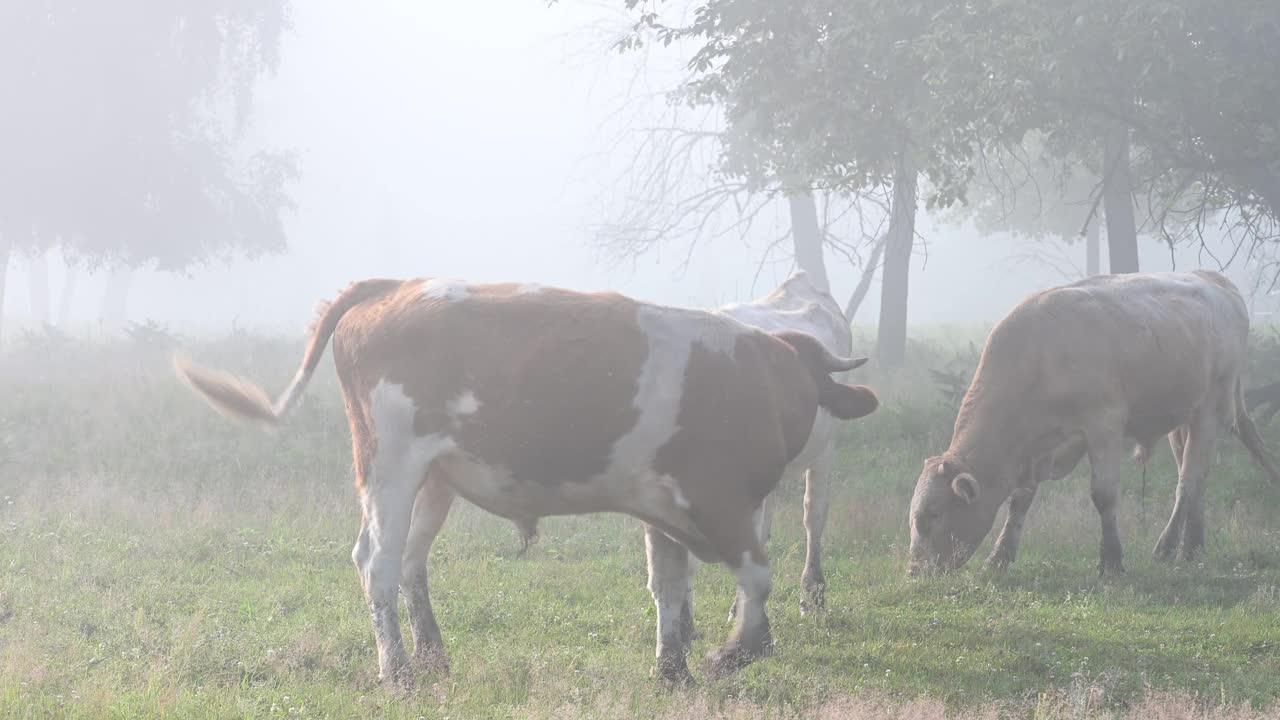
(530, 401)
(796, 304)
(1090, 368)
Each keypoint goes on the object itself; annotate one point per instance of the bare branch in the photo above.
(864, 282)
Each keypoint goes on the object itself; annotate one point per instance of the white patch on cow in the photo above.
(399, 465)
(393, 412)
(448, 289)
(658, 392)
(678, 328)
(464, 404)
(754, 582)
(528, 289)
(672, 485)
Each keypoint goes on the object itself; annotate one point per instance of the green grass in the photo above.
(156, 560)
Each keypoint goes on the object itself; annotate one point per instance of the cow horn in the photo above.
(840, 364)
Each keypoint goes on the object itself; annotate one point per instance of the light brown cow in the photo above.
(531, 401)
(1090, 368)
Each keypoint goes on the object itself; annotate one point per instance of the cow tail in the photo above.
(244, 400)
(1247, 431)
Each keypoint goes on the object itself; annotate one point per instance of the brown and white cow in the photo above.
(1090, 368)
(797, 304)
(531, 401)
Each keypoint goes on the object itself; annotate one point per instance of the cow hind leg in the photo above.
(429, 512)
(817, 501)
(744, 554)
(378, 555)
(669, 582)
(1171, 536)
(1184, 533)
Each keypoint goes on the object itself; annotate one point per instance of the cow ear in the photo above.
(965, 487)
(848, 402)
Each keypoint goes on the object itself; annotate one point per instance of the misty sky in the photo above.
(473, 140)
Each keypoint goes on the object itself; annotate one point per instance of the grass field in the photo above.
(156, 560)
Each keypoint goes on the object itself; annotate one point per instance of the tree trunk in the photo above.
(38, 285)
(115, 299)
(891, 345)
(4, 276)
(68, 292)
(864, 282)
(807, 236)
(1092, 252)
(1117, 198)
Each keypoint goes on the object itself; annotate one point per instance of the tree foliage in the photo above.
(122, 125)
(831, 90)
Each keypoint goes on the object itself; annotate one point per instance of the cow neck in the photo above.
(990, 438)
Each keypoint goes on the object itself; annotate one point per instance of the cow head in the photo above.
(950, 515)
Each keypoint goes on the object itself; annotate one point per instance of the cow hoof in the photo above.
(399, 681)
(815, 594)
(433, 661)
(733, 657)
(673, 673)
(724, 662)
(1110, 568)
(813, 603)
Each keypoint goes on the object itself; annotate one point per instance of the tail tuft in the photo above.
(229, 395)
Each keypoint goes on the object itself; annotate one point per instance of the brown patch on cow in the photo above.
(550, 405)
(756, 429)
(846, 402)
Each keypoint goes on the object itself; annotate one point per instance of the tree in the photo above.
(122, 136)
(855, 96)
(671, 193)
(1190, 87)
(1173, 102)
(1025, 191)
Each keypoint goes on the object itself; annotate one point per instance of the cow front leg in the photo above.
(1106, 461)
(817, 502)
(763, 524)
(745, 556)
(1005, 550)
(669, 582)
(429, 512)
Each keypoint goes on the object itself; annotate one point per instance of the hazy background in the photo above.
(476, 140)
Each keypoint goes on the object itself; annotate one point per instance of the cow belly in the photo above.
(495, 489)
(645, 495)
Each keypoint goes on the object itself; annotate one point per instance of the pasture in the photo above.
(156, 560)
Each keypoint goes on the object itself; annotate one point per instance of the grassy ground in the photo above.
(158, 561)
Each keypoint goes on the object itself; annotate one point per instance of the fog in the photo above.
(476, 140)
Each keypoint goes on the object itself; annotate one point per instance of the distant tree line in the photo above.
(1154, 117)
(120, 137)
